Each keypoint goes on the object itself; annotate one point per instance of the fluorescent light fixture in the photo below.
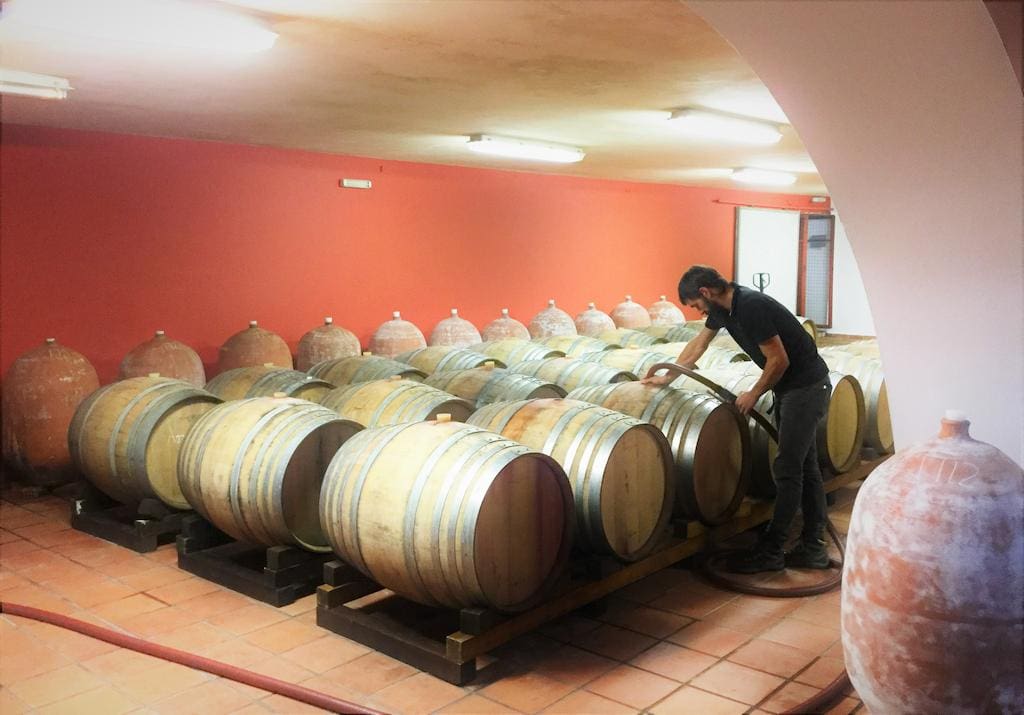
(174, 23)
(764, 177)
(522, 149)
(30, 84)
(724, 126)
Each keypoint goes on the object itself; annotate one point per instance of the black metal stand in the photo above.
(277, 575)
(141, 527)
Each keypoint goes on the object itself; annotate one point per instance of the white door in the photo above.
(768, 252)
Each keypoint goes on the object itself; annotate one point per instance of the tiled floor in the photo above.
(667, 644)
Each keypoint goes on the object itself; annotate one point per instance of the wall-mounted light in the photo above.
(522, 149)
(30, 84)
(725, 126)
(173, 23)
(764, 177)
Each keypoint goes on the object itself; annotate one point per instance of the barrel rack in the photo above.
(446, 643)
(141, 527)
(277, 575)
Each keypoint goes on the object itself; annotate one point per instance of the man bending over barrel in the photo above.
(792, 368)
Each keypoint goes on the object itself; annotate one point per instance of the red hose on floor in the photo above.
(256, 680)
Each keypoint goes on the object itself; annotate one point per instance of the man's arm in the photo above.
(776, 362)
(689, 357)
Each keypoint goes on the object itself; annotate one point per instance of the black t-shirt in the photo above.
(755, 318)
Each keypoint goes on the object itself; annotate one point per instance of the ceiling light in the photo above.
(521, 149)
(763, 176)
(728, 127)
(153, 22)
(30, 84)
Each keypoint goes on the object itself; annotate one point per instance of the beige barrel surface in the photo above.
(575, 345)
(636, 361)
(841, 433)
(449, 515)
(718, 357)
(363, 368)
(570, 373)
(628, 338)
(673, 333)
(511, 350)
(762, 447)
(809, 327)
(266, 381)
(444, 357)
(125, 437)
(869, 373)
(620, 469)
(394, 401)
(709, 439)
(673, 350)
(253, 468)
(484, 385)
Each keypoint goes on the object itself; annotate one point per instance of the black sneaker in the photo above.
(760, 558)
(810, 554)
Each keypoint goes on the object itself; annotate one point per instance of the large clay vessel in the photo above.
(592, 322)
(41, 391)
(628, 314)
(933, 583)
(503, 328)
(253, 346)
(665, 312)
(168, 357)
(455, 332)
(325, 342)
(395, 337)
(551, 321)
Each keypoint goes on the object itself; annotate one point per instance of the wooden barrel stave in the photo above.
(482, 386)
(570, 373)
(363, 368)
(387, 402)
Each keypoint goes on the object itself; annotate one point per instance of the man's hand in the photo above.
(745, 402)
(658, 380)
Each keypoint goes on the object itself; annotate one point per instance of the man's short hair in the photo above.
(698, 277)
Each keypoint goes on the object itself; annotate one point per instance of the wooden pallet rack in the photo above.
(446, 643)
(141, 527)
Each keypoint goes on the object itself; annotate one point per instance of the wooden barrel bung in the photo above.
(620, 469)
(254, 467)
(125, 438)
(449, 515)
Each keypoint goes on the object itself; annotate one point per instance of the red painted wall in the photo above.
(107, 237)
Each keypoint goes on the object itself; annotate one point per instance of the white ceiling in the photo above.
(409, 80)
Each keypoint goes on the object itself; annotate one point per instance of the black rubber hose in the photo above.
(256, 680)
(827, 697)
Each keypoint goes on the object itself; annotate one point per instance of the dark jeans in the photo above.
(797, 475)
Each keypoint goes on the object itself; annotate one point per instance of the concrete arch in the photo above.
(913, 116)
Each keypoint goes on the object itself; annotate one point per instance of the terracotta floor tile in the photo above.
(236, 651)
(68, 643)
(30, 556)
(28, 661)
(788, 696)
(45, 534)
(281, 669)
(196, 637)
(287, 706)
(131, 566)
(283, 636)
(300, 605)
(835, 651)
(105, 700)
(10, 579)
(162, 620)
(210, 697)
(369, 673)
(614, 642)
(126, 607)
(247, 618)
(10, 705)
(802, 635)
(20, 518)
(154, 577)
(166, 555)
(821, 672)
(153, 684)
(688, 700)
(178, 591)
(55, 685)
(691, 601)
(632, 686)
(330, 687)
(709, 638)
(216, 603)
(770, 605)
(738, 616)
(844, 707)
(422, 693)
(93, 556)
(655, 585)
(90, 590)
(571, 665)
(675, 662)
(569, 627)
(475, 705)
(325, 653)
(820, 613)
(643, 619)
(527, 692)
(582, 701)
(737, 682)
(526, 647)
(774, 658)
(120, 663)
